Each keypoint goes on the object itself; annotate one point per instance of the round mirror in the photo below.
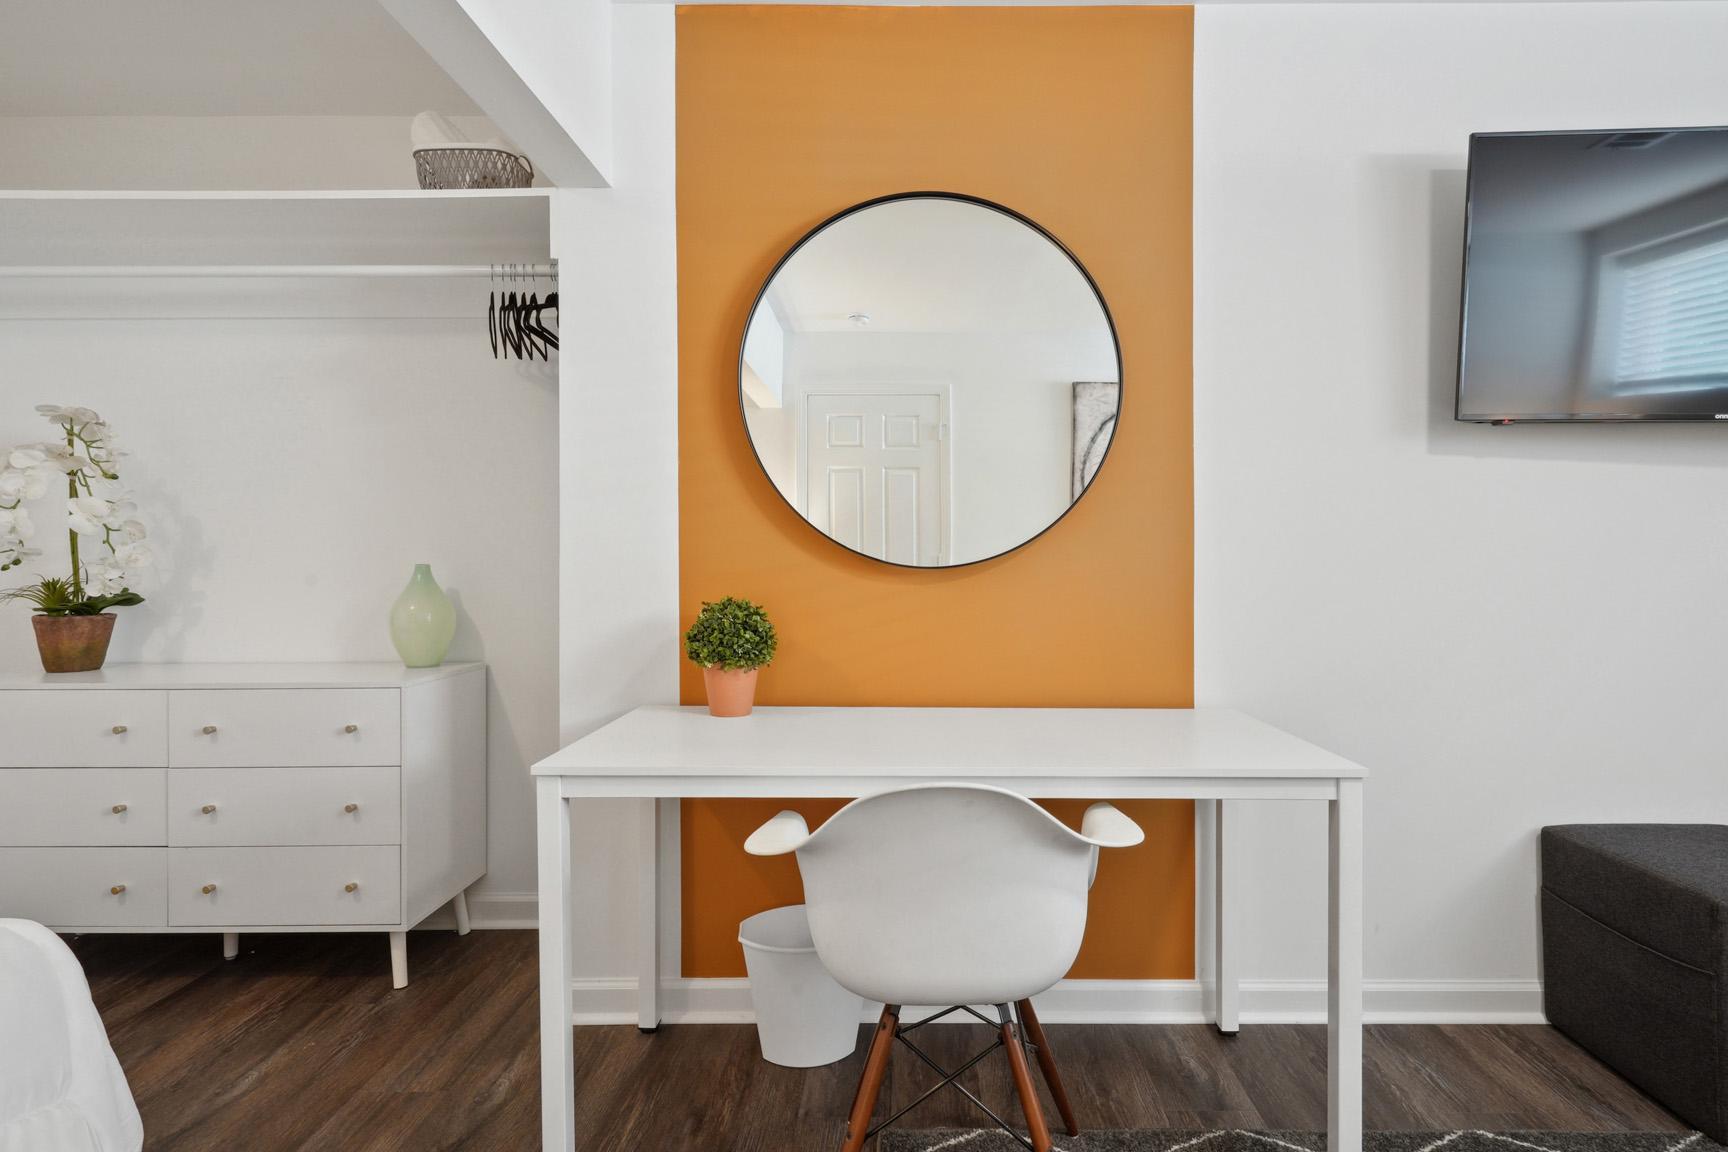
(930, 379)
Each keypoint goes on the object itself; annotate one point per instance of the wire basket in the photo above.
(471, 168)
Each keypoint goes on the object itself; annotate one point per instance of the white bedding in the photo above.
(61, 1089)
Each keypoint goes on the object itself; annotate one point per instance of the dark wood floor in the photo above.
(301, 1044)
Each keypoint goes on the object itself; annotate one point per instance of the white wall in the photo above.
(774, 437)
(618, 477)
(564, 52)
(1511, 626)
(292, 470)
(228, 153)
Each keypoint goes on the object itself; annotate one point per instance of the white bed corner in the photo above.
(61, 1087)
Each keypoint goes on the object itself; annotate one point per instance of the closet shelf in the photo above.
(373, 227)
(266, 194)
(520, 270)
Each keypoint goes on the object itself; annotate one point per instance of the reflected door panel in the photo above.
(874, 469)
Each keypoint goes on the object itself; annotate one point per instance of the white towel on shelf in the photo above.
(436, 130)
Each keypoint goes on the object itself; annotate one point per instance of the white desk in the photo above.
(666, 753)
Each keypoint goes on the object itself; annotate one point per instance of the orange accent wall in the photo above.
(1080, 118)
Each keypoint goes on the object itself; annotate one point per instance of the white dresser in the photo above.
(243, 798)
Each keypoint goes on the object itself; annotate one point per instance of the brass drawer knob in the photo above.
(207, 809)
(209, 729)
(351, 728)
(207, 889)
(351, 886)
(117, 889)
(350, 807)
(117, 809)
(119, 729)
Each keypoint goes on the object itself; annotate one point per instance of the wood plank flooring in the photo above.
(302, 1044)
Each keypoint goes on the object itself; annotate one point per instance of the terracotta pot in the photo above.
(731, 691)
(73, 643)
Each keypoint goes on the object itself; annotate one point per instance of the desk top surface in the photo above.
(662, 740)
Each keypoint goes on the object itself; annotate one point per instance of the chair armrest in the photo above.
(785, 832)
(1105, 826)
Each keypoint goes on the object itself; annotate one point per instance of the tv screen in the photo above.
(1596, 277)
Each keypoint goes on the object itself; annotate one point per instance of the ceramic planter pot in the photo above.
(73, 643)
(731, 691)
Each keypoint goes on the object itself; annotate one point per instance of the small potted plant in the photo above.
(731, 639)
(73, 624)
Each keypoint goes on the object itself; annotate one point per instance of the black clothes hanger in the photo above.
(548, 337)
(542, 338)
(492, 313)
(516, 319)
(530, 326)
(512, 320)
(524, 329)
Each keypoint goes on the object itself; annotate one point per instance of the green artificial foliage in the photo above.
(53, 596)
(732, 634)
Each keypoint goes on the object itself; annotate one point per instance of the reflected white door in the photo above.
(874, 473)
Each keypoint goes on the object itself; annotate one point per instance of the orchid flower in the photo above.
(99, 513)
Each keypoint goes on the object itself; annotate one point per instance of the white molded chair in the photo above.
(955, 894)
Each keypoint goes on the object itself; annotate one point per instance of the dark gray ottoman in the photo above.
(1635, 956)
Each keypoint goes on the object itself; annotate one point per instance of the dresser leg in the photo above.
(398, 959)
(230, 945)
(460, 904)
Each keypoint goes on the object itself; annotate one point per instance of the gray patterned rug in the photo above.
(991, 1140)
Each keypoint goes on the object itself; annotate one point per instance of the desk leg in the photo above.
(1344, 983)
(648, 918)
(557, 1045)
(1225, 946)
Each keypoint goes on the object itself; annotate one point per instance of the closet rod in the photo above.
(498, 271)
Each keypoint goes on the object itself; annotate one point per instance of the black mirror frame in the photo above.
(963, 198)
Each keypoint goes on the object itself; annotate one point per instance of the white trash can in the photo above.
(803, 1018)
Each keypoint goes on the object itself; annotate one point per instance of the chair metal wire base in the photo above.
(950, 1079)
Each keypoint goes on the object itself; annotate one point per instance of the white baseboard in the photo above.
(612, 1000)
(1399, 1001)
(491, 910)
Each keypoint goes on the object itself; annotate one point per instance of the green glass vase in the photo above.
(422, 621)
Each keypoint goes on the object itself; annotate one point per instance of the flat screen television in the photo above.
(1595, 277)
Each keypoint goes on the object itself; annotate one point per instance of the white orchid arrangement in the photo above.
(99, 515)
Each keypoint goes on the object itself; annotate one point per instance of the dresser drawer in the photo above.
(82, 806)
(74, 887)
(281, 806)
(248, 728)
(284, 886)
(83, 728)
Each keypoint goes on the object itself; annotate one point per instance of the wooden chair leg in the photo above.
(1047, 1064)
(1023, 1085)
(870, 1085)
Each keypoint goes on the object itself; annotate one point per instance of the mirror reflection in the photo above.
(930, 380)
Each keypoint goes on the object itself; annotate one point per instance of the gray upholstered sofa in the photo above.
(1635, 956)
